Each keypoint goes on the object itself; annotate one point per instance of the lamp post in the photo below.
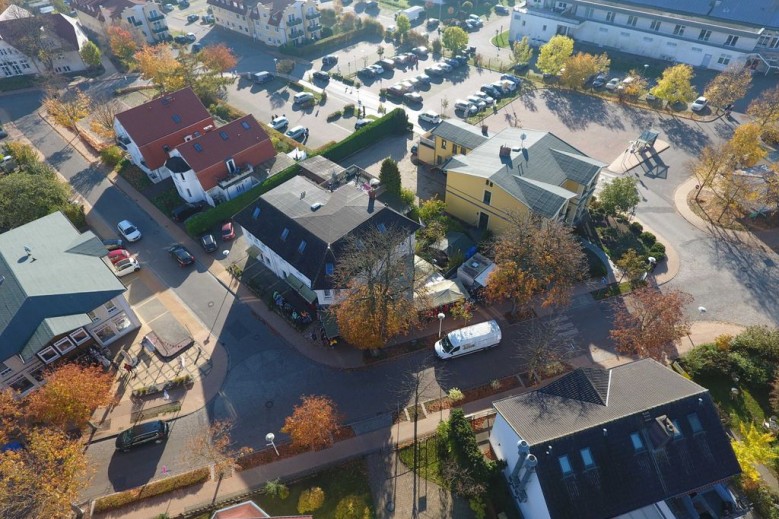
(441, 317)
(269, 438)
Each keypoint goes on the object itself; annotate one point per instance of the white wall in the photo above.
(187, 184)
(503, 440)
(113, 321)
(13, 62)
(273, 261)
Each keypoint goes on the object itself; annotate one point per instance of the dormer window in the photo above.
(565, 465)
(638, 443)
(587, 458)
(231, 166)
(284, 234)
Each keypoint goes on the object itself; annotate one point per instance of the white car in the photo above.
(377, 69)
(126, 266)
(302, 97)
(128, 231)
(699, 104)
(279, 123)
(484, 97)
(430, 117)
(297, 132)
(446, 67)
(479, 102)
(612, 84)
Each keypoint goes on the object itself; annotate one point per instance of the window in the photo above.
(106, 333)
(92, 316)
(587, 458)
(64, 345)
(731, 41)
(328, 293)
(588, 12)
(488, 183)
(724, 59)
(638, 443)
(632, 20)
(284, 234)
(256, 213)
(80, 336)
(231, 166)
(679, 30)
(4, 369)
(381, 227)
(696, 49)
(670, 44)
(443, 144)
(487, 197)
(48, 355)
(189, 193)
(22, 384)
(302, 246)
(329, 269)
(197, 147)
(565, 465)
(610, 16)
(223, 135)
(122, 323)
(110, 306)
(245, 125)
(761, 42)
(655, 25)
(624, 34)
(648, 38)
(603, 29)
(677, 430)
(695, 423)
(176, 118)
(543, 28)
(704, 35)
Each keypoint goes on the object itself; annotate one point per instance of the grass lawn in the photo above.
(133, 174)
(337, 483)
(747, 407)
(614, 289)
(501, 40)
(168, 200)
(428, 460)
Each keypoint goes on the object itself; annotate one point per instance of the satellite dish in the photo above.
(28, 250)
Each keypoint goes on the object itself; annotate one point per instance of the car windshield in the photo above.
(446, 344)
(129, 229)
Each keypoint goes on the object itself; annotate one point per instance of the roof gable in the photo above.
(585, 384)
(459, 132)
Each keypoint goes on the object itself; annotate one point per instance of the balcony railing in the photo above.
(315, 27)
(296, 34)
(155, 17)
(295, 21)
(313, 16)
(238, 176)
(157, 30)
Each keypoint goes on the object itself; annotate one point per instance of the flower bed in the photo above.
(286, 450)
(476, 393)
(158, 388)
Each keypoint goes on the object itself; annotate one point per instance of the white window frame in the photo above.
(110, 307)
(43, 353)
(64, 341)
(80, 333)
(5, 371)
(93, 316)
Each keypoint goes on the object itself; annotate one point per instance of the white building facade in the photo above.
(714, 40)
(293, 22)
(145, 20)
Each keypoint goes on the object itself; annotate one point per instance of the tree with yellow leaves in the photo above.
(765, 109)
(68, 109)
(218, 58)
(158, 65)
(582, 66)
(745, 145)
(122, 43)
(313, 423)
(713, 162)
(675, 85)
(216, 446)
(728, 86)
(553, 55)
(754, 448)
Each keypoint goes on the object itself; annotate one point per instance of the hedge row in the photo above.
(320, 46)
(394, 122)
(156, 488)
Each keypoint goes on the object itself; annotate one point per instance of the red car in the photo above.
(118, 255)
(228, 232)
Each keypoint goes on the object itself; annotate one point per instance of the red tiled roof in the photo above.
(169, 116)
(249, 510)
(244, 140)
(113, 7)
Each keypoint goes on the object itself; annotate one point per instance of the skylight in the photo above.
(565, 465)
(302, 246)
(381, 227)
(223, 135)
(176, 118)
(197, 146)
(587, 457)
(638, 443)
(245, 125)
(256, 213)
(695, 423)
(284, 234)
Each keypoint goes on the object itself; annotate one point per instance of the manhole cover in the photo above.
(269, 404)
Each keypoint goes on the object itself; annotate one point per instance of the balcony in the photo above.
(313, 16)
(295, 34)
(315, 27)
(122, 141)
(233, 178)
(157, 30)
(294, 21)
(156, 17)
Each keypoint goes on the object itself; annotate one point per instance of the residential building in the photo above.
(145, 20)
(150, 131)
(634, 441)
(299, 229)
(450, 137)
(220, 164)
(518, 172)
(61, 37)
(58, 299)
(710, 35)
(250, 510)
(272, 22)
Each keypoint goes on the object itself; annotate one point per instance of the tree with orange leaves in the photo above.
(648, 321)
(158, 65)
(218, 58)
(535, 257)
(71, 394)
(122, 43)
(313, 424)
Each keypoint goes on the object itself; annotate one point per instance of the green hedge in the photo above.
(320, 46)
(393, 123)
(156, 488)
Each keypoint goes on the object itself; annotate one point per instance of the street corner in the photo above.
(666, 270)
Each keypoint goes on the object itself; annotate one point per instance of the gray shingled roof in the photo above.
(567, 406)
(342, 212)
(762, 13)
(459, 132)
(535, 170)
(62, 279)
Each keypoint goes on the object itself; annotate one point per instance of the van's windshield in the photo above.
(446, 344)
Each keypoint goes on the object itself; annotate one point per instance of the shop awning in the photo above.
(442, 293)
(305, 292)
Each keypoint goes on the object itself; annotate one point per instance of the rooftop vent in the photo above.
(505, 151)
(315, 206)
(187, 138)
(302, 195)
(662, 431)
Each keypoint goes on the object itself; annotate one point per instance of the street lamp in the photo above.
(269, 438)
(441, 317)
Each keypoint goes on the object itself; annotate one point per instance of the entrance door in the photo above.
(484, 220)
(706, 60)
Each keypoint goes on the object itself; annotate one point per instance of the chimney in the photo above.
(661, 431)
(505, 151)
(524, 450)
(530, 468)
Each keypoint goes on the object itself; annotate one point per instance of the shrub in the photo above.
(763, 499)
(636, 227)
(657, 247)
(276, 490)
(455, 395)
(112, 155)
(407, 196)
(334, 116)
(155, 488)
(348, 110)
(225, 112)
(353, 507)
(75, 213)
(648, 238)
(311, 499)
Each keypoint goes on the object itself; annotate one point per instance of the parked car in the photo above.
(470, 26)
(148, 432)
(117, 255)
(209, 18)
(510, 77)
(261, 77)
(501, 9)
(434, 71)
(650, 96)
(279, 123)
(599, 81)
(471, 50)
(386, 63)
(445, 67)
(432, 23)
(699, 104)
(476, 20)
(128, 231)
(612, 84)
(196, 47)
(480, 104)
(320, 75)
(492, 91)
(408, 85)
(423, 79)
(452, 62)
(167, 7)
(465, 107)
(359, 123)
(208, 243)
(413, 98)
(228, 231)
(484, 97)
(421, 51)
(377, 69)
(113, 244)
(192, 18)
(297, 133)
(371, 5)
(181, 38)
(182, 256)
(184, 211)
(367, 72)
(430, 117)
(330, 59)
(191, 37)
(126, 266)
(302, 98)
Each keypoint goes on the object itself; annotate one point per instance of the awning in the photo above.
(442, 293)
(305, 292)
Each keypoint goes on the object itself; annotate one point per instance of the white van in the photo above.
(302, 97)
(470, 339)
(464, 106)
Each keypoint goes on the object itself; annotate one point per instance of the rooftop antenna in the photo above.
(522, 138)
(28, 250)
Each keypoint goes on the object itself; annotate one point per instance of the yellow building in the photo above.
(450, 137)
(518, 171)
